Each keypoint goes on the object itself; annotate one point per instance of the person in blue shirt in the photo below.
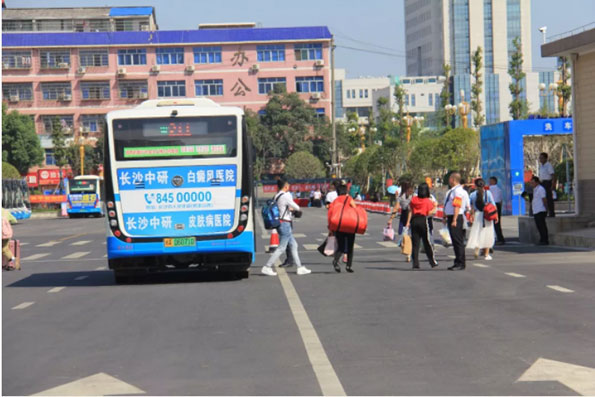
(481, 237)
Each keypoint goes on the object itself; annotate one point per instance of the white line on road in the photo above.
(35, 256)
(452, 256)
(76, 255)
(23, 244)
(310, 247)
(299, 235)
(105, 255)
(560, 289)
(101, 268)
(55, 289)
(480, 265)
(517, 275)
(329, 382)
(357, 246)
(79, 278)
(23, 305)
(388, 244)
(48, 244)
(82, 242)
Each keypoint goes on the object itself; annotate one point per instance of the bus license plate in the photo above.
(179, 242)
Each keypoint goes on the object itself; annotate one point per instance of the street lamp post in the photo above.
(450, 111)
(464, 108)
(409, 120)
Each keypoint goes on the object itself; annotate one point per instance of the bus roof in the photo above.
(87, 177)
(183, 106)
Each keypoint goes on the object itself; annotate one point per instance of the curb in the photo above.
(45, 215)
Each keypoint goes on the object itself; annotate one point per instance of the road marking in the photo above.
(79, 278)
(388, 244)
(480, 265)
(73, 236)
(515, 275)
(263, 232)
(23, 305)
(320, 239)
(105, 255)
(299, 235)
(104, 243)
(560, 289)
(55, 289)
(48, 244)
(329, 382)
(35, 256)
(576, 377)
(82, 242)
(311, 247)
(101, 268)
(452, 256)
(76, 255)
(324, 234)
(23, 244)
(100, 384)
(357, 246)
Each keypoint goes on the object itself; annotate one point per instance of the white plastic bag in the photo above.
(445, 235)
(331, 246)
(389, 233)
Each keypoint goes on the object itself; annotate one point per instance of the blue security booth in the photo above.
(502, 155)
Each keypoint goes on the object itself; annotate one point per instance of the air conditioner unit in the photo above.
(65, 97)
(255, 68)
(315, 95)
(6, 66)
(155, 68)
(81, 70)
(63, 65)
(143, 95)
(121, 71)
(144, 28)
(190, 68)
(13, 98)
(319, 63)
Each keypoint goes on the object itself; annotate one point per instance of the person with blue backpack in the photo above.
(279, 214)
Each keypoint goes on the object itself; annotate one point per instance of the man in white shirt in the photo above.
(539, 205)
(287, 207)
(454, 207)
(547, 177)
(497, 194)
(331, 195)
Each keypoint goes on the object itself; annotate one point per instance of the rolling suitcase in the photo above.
(15, 248)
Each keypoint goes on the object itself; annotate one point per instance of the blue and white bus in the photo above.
(179, 191)
(84, 196)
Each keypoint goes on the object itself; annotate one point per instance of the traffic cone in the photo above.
(274, 241)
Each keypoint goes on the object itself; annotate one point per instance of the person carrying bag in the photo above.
(420, 208)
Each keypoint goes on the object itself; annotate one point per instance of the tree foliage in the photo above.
(519, 106)
(477, 88)
(93, 157)
(445, 99)
(9, 171)
(20, 143)
(58, 140)
(304, 165)
(564, 90)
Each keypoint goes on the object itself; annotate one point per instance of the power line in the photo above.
(371, 51)
(340, 34)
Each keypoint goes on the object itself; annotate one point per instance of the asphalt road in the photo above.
(382, 330)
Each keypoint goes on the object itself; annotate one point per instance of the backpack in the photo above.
(490, 212)
(271, 216)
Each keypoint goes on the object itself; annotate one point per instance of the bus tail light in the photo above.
(243, 218)
(113, 223)
(112, 213)
(128, 240)
(230, 235)
(245, 199)
(117, 233)
(110, 204)
(241, 228)
(244, 208)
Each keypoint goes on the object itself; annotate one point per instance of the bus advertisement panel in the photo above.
(84, 196)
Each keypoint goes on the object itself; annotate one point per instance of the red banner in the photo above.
(301, 187)
(32, 179)
(48, 176)
(47, 199)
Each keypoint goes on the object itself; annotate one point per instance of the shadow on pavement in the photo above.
(106, 278)
(400, 269)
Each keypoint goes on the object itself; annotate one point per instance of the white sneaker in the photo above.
(268, 271)
(303, 270)
(488, 258)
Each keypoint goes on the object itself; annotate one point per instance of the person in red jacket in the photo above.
(420, 208)
(345, 241)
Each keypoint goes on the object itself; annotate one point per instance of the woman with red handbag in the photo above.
(345, 241)
(481, 237)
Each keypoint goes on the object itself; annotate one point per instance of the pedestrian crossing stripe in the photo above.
(388, 244)
(299, 235)
(82, 242)
(48, 244)
(76, 255)
(311, 247)
(35, 256)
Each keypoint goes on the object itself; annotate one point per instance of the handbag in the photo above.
(388, 233)
(445, 235)
(406, 246)
(346, 219)
(330, 246)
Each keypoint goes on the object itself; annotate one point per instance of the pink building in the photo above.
(79, 77)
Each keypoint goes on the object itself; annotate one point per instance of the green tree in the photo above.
(422, 160)
(476, 89)
(304, 165)
(58, 141)
(400, 98)
(20, 144)
(564, 90)
(457, 150)
(445, 99)
(518, 107)
(93, 157)
(9, 171)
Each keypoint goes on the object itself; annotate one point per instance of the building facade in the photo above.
(79, 77)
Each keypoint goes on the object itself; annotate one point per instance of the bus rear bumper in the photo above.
(237, 253)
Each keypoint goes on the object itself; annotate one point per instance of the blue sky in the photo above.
(376, 25)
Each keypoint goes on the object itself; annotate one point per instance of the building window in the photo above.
(431, 80)
(513, 23)
(92, 122)
(309, 84)
(133, 89)
(437, 101)
(267, 85)
(407, 99)
(133, 56)
(171, 88)
(170, 56)
(65, 121)
(462, 51)
(55, 91)
(430, 100)
(353, 93)
(304, 52)
(208, 87)
(406, 81)
(17, 26)
(419, 81)
(54, 59)
(49, 157)
(93, 58)
(412, 99)
(270, 53)
(366, 93)
(361, 93)
(95, 90)
(320, 112)
(17, 92)
(207, 55)
(348, 94)
(16, 59)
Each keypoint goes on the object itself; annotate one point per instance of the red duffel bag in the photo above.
(346, 219)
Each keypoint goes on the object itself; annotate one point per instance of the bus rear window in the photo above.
(82, 186)
(175, 137)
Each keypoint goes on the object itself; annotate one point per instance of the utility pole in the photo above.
(335, 155)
